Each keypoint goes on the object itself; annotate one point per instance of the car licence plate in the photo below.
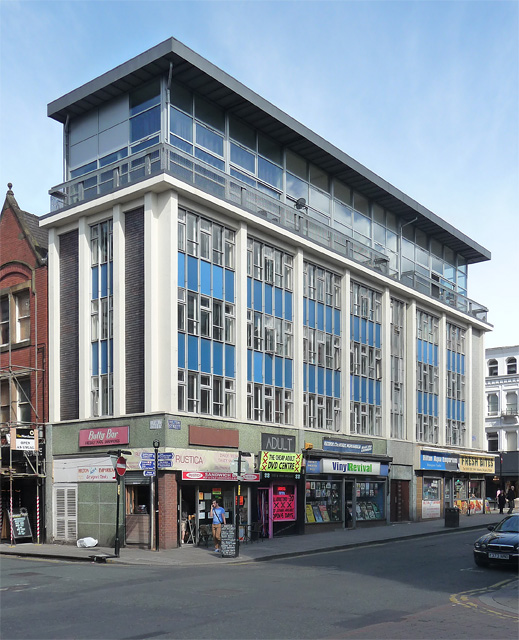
(498, 556)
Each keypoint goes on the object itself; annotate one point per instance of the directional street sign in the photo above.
(147, 455)
(164, 464)
(165, 456)
(148, 472)
(146, 464)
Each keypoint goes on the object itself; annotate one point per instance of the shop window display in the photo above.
(370, 501)
(323, 501)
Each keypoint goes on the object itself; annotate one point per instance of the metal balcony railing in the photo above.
(308, 223)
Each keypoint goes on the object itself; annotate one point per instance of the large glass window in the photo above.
(15, 316)
(365, 360)
(145, 112)
(370, 500)
(427, 377)
(455, 409)
(206, 316)
(398, 424)
(323, 501)
(101, 319)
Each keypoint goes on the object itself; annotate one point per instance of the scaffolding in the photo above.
(11, 376)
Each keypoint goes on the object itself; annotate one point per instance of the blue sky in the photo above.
(425, 94)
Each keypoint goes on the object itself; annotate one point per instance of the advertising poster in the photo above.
(283, 507)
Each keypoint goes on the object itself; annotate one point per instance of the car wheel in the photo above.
(481, 562)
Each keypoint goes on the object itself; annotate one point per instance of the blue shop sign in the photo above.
(438, 460)
(347, 446)
(313, 466)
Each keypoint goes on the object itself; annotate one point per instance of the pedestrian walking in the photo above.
(217, 513)
(510, 496)
(501, 500)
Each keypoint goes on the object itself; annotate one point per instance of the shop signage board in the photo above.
(87, 469)
(347, 446)
(95, 473)
(228, 541)
(438, 460)
(215, 476)
(476, 464)
(351, 467)
(280, 462)
(103, 437)
(431, 509)
(313, 466)
(274, 442)
(190, 460)
(24, 439)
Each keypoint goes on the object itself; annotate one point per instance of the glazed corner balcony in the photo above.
(299, 219)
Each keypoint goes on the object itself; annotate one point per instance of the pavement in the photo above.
(258, 551)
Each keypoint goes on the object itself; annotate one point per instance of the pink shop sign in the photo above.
(103, 437)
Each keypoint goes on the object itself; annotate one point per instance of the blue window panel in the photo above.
(279, 372)
(320, 316)
(278, 302)
(269, 364)
(181, 358)
(371, 334)
(229, 286)
(378, 393)
(205, 278)
(218, 358)
(111, 283)
(230, 361)
(268, 299)
(363, 390)
(305, 304)
(356, 388)
(436, 406)
(378, 338)
(329, 323)
(356, 328)
(258, 296)
(258, 367)
(311, 378)
(371, 391)
(419, 405)
(249, 365)
(95, 358)
(305, 377)
(217, 282)
(205, 355)
(448, 408)
(104, 280)
(337, 322)
(363, 331)
(462, 364)
(192, 273)
(249, 293)
(104, 356)
(288, 306)
(95, 283)
(435, 349)
(111, 363)
(181, 270)
(311, 314)
(320, 380)
(288, 373)
(329, 382)
(431, 355)
(419, 350)
(192, 353)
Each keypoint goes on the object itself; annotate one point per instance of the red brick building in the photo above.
(23, 364)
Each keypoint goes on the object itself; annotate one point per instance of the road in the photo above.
(423, 588)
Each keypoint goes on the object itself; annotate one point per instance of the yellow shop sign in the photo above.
(476, 464)
(280, 461)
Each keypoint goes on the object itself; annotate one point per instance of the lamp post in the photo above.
(115, 455)
(241, 454)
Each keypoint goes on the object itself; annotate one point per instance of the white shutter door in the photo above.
(65, 519)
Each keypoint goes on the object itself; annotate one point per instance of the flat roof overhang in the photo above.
(209, 81)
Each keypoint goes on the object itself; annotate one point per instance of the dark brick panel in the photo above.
(134, 286)
(69, 325)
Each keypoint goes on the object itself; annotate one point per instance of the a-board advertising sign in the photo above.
(21, 526)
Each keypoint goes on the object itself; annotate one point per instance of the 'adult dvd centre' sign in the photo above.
(280, 461)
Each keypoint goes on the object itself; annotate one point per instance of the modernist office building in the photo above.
(223, 280)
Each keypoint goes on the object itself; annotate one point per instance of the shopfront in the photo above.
(452, 479)
(280, 501)
(345, 491)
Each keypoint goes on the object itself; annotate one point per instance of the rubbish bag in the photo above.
(87, 542)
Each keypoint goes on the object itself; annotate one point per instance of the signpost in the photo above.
(241, 454)
(156, 445)
(119, 464)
